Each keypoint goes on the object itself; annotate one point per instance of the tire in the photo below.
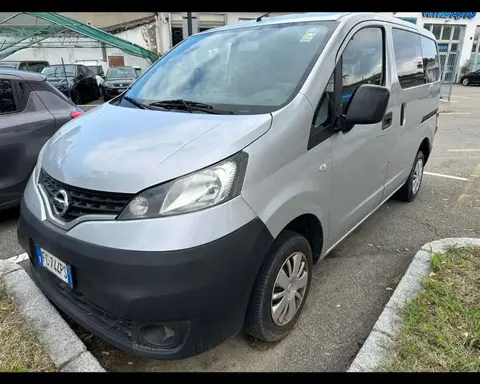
(259, 321)
(410, 189)
(97, 93)
(76, 97)
(465, 82)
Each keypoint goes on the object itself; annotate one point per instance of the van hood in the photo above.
(119, 149)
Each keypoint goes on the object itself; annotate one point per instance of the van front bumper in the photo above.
(162, 305)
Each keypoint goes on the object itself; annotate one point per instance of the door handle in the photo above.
(387, 120)
(402, 114)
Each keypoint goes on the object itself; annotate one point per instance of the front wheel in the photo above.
(281, 288)
(465, 82)
(410, 189)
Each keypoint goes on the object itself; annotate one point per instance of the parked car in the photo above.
(117, 80)
(471, 78)
(196, 203)
(138, 70)
(31, 111)
(25, 65)
(98, 68)
(73, 80)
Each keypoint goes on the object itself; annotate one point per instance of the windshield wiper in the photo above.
(136, 103)
(190, 106)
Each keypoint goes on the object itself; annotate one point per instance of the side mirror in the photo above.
(368, 105)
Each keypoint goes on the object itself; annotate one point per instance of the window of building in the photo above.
(474, 63)
(447, 32)
(456, 32)
(177, 35)
(408, 58)
(437, 30)
(362, 61)
(7, 100)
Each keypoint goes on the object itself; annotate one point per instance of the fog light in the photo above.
(160, 336)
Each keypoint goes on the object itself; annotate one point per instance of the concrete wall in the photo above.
(106, 19)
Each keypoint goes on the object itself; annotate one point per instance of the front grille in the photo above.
(121, 85)
(84, 201)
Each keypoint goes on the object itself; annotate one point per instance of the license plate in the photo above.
(54, 265)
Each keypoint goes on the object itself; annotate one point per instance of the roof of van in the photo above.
(346, 17)
(24, 75)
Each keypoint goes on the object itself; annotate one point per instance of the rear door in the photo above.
(25, 126)
(360, 155)
(413, 104)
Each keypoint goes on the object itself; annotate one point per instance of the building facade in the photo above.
(458, 37)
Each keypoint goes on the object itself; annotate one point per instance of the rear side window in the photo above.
(430, 60)
(50, 96)
(23, 95)
(82, 71)
(7, 99)
(36, 67)
(408, 58)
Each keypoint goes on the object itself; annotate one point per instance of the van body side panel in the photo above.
(283, 180)
(418, 102)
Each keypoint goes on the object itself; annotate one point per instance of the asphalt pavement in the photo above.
(351, 286)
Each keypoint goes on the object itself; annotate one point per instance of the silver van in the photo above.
(195, 204)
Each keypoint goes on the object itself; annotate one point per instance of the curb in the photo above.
(66, 350)
(376, 348)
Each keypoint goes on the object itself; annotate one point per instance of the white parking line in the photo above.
(455, 113)
(446, 176)
(464, 150)
(19, 258)
(464, 97)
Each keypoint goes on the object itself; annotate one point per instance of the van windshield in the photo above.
(247, 71)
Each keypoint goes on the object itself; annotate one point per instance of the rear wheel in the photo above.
(465, 82)
(76, 97)
(410, 189)
(281, 288)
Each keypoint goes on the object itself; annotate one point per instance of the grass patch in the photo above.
(20, 350)
(442, 324)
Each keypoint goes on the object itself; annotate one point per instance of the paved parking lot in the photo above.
(351, 286)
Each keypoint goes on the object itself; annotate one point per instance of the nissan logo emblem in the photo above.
(60, 202)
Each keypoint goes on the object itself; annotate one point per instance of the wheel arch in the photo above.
(426, 148)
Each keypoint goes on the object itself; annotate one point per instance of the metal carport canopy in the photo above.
(30, 34)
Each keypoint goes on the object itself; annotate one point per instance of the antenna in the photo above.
(261, 17)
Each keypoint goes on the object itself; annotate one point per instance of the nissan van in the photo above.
(195, 204)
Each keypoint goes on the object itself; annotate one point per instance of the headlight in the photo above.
(202, 189)
(38, 166)
(107, 84)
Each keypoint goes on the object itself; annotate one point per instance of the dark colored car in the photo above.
(74, 80)
(25, 65)
(31, 111)
(471, 78)
(117, 80)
